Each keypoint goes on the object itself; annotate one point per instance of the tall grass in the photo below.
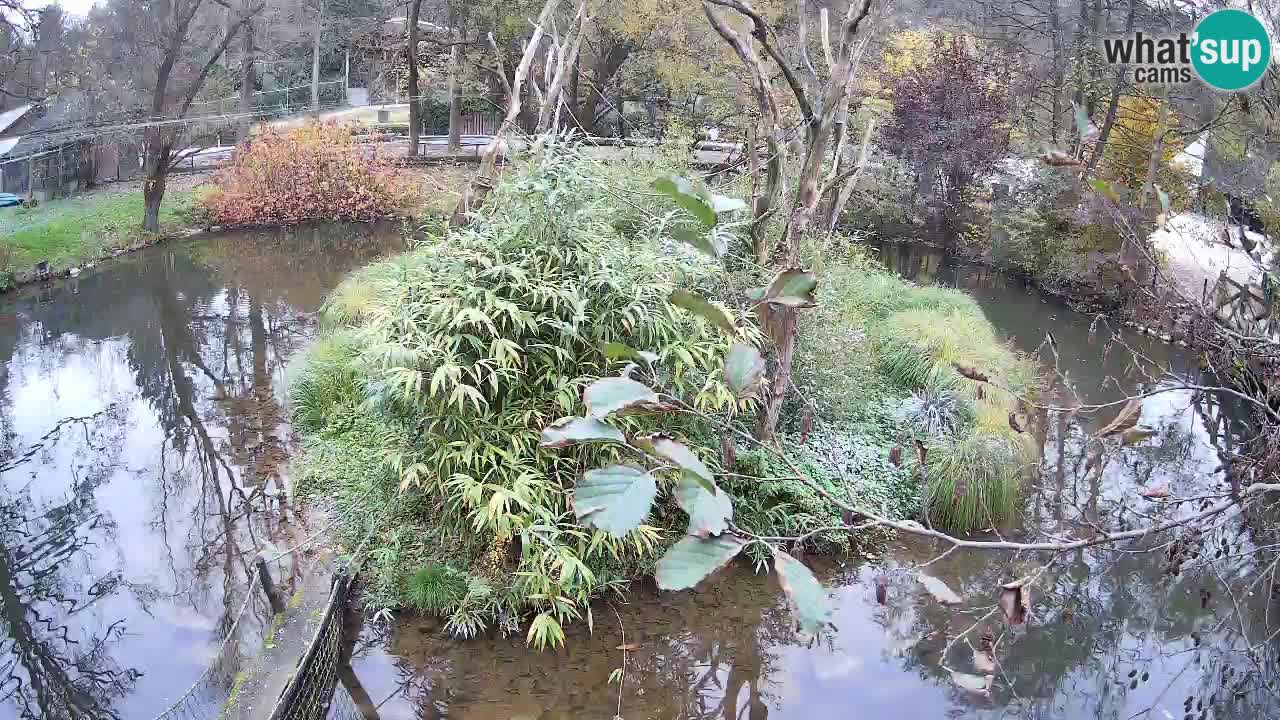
(882, 356)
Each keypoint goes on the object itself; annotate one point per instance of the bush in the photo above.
(314, 172)
(459, 353)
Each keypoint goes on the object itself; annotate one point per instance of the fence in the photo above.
(473, 123)
(282, 101)
(310, 690)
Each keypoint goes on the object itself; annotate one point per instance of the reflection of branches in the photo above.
(44, 671)
(39, 445)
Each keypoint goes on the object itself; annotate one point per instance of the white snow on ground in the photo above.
(1194, 252)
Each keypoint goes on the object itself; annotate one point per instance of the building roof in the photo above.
(9, 117)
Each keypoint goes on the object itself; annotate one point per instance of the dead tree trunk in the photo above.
(487, 175)
(818, 111)
(567, 59)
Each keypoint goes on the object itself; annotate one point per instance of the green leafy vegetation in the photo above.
(76, 230)
(499, 407)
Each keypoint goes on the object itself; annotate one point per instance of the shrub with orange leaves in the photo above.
(314, 172)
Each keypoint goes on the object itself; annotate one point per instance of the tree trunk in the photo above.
(415, 107)
(1109, 121)
(315, 61)
(455, 95)
(1055, 41)
(1157, 151)
(156, 167)
(248, 80)
(486, 176)
(572, 100)
(568, 58)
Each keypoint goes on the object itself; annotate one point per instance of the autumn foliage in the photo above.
(314, 172)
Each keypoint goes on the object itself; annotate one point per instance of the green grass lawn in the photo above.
(79, 229)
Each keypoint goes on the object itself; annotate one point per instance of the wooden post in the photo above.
(268, 586)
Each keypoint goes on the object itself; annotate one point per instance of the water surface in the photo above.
(142, 448)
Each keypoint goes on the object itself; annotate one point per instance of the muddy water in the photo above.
(1111, 634)
(142, 440)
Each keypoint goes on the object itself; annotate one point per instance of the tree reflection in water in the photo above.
(187, 345)
(50, 665)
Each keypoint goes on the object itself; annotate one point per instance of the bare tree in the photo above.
(184, 62)
(821, 102)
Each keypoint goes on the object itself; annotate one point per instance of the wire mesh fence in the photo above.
(310, 691)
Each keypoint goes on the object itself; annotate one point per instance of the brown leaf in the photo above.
(970, 372)
(1135, 435)
(1013, 603)
(728, 451)
(895, 456)
(1014, 424)
(1127, 418)
(1155, 491)
(1057, 158)
(882, 590)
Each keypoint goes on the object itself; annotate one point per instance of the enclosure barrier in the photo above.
(309, 692)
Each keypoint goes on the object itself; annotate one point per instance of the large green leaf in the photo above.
(709, 510)
(700, 239)
(609, 395)
(688, 197)
(694, 558)
(615, 498)
(703, 308)
(792, 287)
(620, 351)
(568, 431)
(679, 453)
(809, 599)
(743, 369)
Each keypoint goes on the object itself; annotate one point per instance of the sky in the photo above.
(74, 7)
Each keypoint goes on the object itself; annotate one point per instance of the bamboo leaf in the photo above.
(615, 498)
(692, 559)
(703, 308)
(808, 598)
(609, 395)
(620, 351)
(709, 509)
(569, 431)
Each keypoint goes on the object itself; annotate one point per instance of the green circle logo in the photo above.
(1231, 50)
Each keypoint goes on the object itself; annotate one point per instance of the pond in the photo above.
(143, 436)
(142, 429)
